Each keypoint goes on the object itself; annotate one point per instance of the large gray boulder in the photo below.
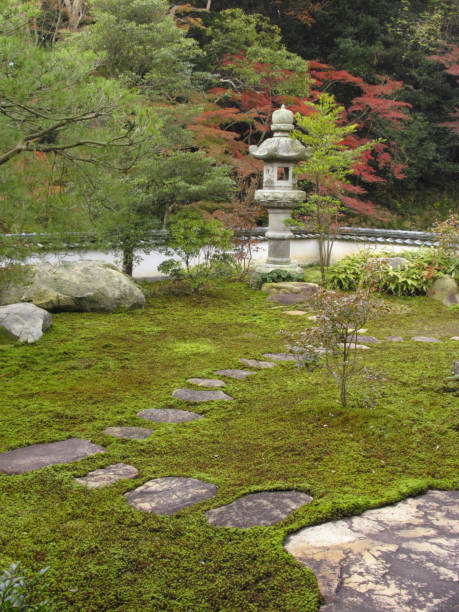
(23, 322)
(290, 292)
(445, 290)
(78, 285)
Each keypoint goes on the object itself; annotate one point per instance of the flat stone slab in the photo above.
(238, 374)
(130, 433)
(454, 338)
(264, 508)
(255, 363)
(206, 382)
(400, 558)
(107, 476)
(168, 415)
(367, 339)
(169, 495)
(357, 346)
(394, 338)
(294, 313)
(191, 395)
(29, 458)
(424, 339)
(279, 356)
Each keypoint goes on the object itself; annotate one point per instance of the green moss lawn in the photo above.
(285, 429)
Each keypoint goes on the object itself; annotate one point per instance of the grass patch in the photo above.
(284, 430)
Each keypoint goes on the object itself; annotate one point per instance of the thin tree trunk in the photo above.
(128, 260)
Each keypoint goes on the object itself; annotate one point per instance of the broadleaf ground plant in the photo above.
(332, 340)
(22, 592)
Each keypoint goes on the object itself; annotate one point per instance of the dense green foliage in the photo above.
(91, 371)
(277, 276)
(413, 278)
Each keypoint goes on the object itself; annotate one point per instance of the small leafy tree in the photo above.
(334, 335)
(200, 246)
(328, 167)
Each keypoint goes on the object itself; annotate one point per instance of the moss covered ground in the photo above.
(285, 429)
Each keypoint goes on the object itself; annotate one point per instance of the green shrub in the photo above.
(277, 276)
(21, 592)
(413, 278)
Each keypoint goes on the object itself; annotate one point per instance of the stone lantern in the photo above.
(279, 194)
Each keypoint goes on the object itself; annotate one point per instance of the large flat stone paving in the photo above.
(168, 415)
(107, 476)
(34, 457)
(170, 494)
(400, 558)
(263, 508)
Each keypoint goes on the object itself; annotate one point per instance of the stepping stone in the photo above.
(279, 356)
(454, 338)
(169, 495)
(359, 331)
(168, 415)
(130, 433)
(298, 313)
(357, 346)
(394, 338)
(264, 508)
(367, 340)
(254, 363)
(206, 382)
(425, 339)
(400, 558)
(107, 476)
(191, 395)
(238, 374)
(34, 457)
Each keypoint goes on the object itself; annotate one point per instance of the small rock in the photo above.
(237, 374)
(169, 495)
(107, 476)
(424, 339)
(206, 382)
(168, 415)
(24, 322)
(394, 338)
(393, 262)
(454, 338)
(130, 433)
(367, 340)
(190, 395)
(255, 363)
(279, 356)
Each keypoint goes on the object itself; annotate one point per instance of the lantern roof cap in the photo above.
(280, 147)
